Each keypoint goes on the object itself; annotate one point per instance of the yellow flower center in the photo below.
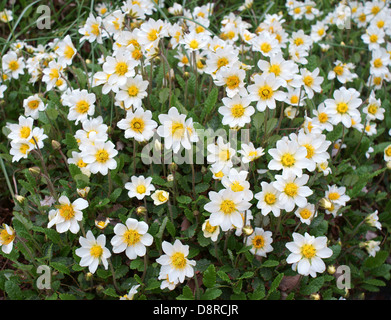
(161, 197)
(380, 24)
(102, 156)
(177, 129)
(265, 92)
(133, 91)
(178, 260)
(372, 109)
(275, 68)
(323, 117)
(194, 44)
(375, 9)
(221, 62)
(141, 189)
(310, 151)
(291, 189)
(53, 74)
(233, 82)
(69, 52)
(96, 251)
(237, 111)
(25, 132)
(270, 198)
(95, 29)
(131, 237)
(81, 164)
(387, 151)
(339, 70)
(298, 41)
(373, 38)
(5, 237)
(66, 211)
(185, 60)
(294, 99)
(308, 251)
(121, 68)
(308, 81)
(136, 54)
(236, 187)
(342, 107)
(13, 65)
(209, 228)
(152, 35)
(23, 148)
(33, 104)
(334, 196)
(288, 160)
(305, 213)
(258, 242)
(224, 155)
(266, 47)
(82, 106)
(227, 206)
(137, 124)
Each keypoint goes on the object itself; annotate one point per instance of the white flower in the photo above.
(266, 43)
(371, 246)
(236, 111)
(265, 91)
(132, 92)
(250, 153)
(373, 110)
(12, 64)
(210, 231)
(290, 157)
(220, 153)
(236, 181)
(32, 105)
(373, 220)
(93, 251)
(311, 81)
(268, 199)
(65, 51)
(82, 105)
(92, 30)
(337, 195)
(131, 238)
(344, 107)
(7, 237)
(99, 156)
(293, 191)
(159, 197)
(93, 129)
(139, 187)
(342, 71)
(282, 69)
(174, 263)
(225, 208)
(260, 240)
(306, 214)
(232, 78)
(68, 215)
(138, 125)
(307, 253)
(176, 130)
(131, 293)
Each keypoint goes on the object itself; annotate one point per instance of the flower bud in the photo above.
(248, 230)
(20, 198)
(35, 171)
(83, 192)
(173, 167)
(141, 210)
(315, 296)
(325, 203)
(56, 145)
(331, 269)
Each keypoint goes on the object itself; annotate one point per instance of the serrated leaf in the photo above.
(270, 264)
(209, 277)
(211, 294)
(60, 267)
(187, 294)
(13, 290)
(275, 283)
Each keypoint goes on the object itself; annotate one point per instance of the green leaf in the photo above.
(67, 296)
(210, 103)
(13, 290)
(377, 261)
(60, 267)
(184, 199)
(111, 292)
(314, 285)
(171, 228)
(209, 277)
(115, 194)
(223, 276)
(270, 264)
(201, 187)
(211, 294)
(187, 294)
(275, 283)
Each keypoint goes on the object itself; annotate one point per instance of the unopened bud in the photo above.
(89, 276)
(170, 177)
(20, 198)
(331, 269)
(186, 75)
(325, 203)
(248, 230)
(141, 210)
(83, 192)
(173, 167)
(35, 170)
(56, 145)
(389, 165)
(315, 296)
